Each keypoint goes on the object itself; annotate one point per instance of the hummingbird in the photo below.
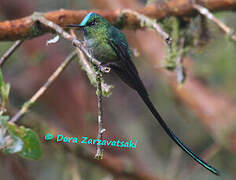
(109, 46)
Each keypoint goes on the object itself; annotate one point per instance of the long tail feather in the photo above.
(172, 135)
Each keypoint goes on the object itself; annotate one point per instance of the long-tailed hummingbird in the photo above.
(108, 45)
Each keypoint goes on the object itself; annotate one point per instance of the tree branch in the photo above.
(26, 27)
(205, 12)
(148, 23)
(38, 17)
(99, 153)
(10, 51)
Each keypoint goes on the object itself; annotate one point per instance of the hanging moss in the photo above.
(171, 26)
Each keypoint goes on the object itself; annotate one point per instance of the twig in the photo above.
(96, 79)
(99, 153)
(205, 12)
(148, 22)
(106, 89)
(41, 91)
(10, 51)
(39, 17)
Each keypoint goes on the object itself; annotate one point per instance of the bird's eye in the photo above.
(93, 23)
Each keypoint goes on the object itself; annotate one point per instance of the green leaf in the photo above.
(31, 148)
(1, 79)
(5, 94)
(21, 140)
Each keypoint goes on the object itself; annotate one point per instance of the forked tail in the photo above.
(173, 137)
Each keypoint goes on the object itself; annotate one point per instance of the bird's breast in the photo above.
(101, 50)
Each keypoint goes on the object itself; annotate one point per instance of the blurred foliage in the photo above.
(171, 26)
(153, 1)
(21, 140)
(178, 48)
(14, 139)
(215, 63)
(31, 144)
(9, 142)
(4, 93)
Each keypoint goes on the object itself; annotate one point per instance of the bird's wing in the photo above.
(127, 70)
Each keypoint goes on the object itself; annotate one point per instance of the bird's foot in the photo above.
(104, 69)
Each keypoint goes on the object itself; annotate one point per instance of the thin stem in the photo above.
(39, 17)
(95, 78)
(99, 153)
(9, 52)
(180, 70)
(205, 12)
(42, 90)
(148, 22)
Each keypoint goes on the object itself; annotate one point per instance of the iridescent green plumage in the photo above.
(109, 46)
(96, 37)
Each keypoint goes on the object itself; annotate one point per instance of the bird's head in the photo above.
(92, 24)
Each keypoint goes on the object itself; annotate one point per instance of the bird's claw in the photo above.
(104, 69)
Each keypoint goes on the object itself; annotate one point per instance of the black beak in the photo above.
(75, 25)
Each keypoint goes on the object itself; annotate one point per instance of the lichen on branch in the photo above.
(24, 28)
